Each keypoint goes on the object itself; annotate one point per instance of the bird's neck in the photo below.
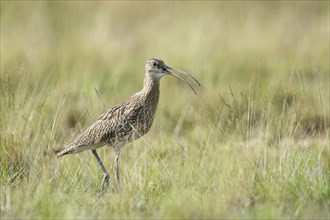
(151, 88)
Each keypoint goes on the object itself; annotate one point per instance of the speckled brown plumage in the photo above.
(124, 122)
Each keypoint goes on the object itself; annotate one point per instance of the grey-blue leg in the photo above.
(117, 151)
(105, 183)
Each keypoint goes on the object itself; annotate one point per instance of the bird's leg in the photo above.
(105, 183)
(117, 151)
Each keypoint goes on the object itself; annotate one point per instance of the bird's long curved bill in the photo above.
(187, 74)
(178, 77)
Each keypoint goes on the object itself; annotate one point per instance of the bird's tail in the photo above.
(66, 149)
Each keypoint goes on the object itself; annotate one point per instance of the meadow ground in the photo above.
(253, 143)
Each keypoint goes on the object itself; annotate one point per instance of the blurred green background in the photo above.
(253, 143)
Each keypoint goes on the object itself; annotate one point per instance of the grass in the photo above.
(253, 143)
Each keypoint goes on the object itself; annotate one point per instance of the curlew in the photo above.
(124, 122)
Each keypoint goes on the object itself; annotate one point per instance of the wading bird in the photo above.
(124, 122)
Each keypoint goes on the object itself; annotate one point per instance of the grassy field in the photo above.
(253, 143)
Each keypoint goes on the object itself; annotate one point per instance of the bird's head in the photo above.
(157, 69)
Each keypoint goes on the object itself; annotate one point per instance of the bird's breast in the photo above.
(136, 117)
(146, 115)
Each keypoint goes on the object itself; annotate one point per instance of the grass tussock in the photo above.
(253, 143)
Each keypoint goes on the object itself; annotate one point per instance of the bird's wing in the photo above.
(105, 128)
(102, 131)
(88, 139)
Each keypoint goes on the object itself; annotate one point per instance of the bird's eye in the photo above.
(154, 64)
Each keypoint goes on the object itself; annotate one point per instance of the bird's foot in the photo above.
(105, 184)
